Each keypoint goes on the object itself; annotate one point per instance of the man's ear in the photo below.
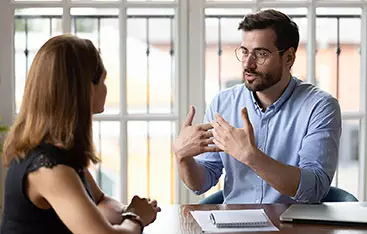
(291, 56)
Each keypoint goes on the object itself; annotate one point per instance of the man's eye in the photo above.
(261, 53)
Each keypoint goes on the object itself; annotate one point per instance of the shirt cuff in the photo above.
(207, 184)
(306, 186)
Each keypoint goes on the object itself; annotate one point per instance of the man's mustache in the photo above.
(251, 71)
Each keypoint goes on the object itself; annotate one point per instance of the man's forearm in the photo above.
(192, 173)
(282, 177)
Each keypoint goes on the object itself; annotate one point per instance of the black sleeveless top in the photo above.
(20, 215)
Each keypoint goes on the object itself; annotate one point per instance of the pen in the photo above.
(211, 216)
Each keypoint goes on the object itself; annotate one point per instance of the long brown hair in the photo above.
(56, 105)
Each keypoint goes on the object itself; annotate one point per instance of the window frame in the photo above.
(189, 63)
(197, 15)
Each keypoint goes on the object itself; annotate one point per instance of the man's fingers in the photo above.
(189, 117)
(211, 149)
(221, 121)
(207, 142)
(207, 134)
(246, 121)
(205, 127)
(218, 130)
(244, 115)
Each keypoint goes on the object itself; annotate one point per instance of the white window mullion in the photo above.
(35, 4)
(340, 4)
(363, 108)
(311, 43)
(66, 18)
(196, 77)
(149, 4)
(353, 115)
(279, 4)
(181, 84)
(123, 102)
(7, 97)
(224, 4)
(256, 6)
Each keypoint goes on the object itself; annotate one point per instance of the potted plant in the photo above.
(3, 130)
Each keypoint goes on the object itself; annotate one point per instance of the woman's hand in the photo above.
(145, 208)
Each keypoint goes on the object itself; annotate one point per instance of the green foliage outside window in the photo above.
(3, 130)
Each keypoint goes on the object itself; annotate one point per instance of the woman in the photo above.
(49, 147)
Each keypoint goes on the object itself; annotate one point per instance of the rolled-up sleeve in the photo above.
(213, 170)
(211, 161)
(319, 152)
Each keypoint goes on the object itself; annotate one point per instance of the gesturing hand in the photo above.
(193, 140)
(237, 142)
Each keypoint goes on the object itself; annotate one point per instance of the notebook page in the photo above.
(240, 217)
(203, 220)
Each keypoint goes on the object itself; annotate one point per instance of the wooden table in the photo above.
(176, 219)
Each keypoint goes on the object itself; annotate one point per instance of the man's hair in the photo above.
(285, 29)
(56, 105)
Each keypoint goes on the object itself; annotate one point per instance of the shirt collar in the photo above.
(281, 100)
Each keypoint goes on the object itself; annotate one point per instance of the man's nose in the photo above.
(250, 62)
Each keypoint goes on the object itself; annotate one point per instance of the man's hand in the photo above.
(237, 142)
(193, 140)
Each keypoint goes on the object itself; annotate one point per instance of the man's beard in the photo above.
(262, 81)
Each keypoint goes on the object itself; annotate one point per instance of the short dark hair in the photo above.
(286, 30)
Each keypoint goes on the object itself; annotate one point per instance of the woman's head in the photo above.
(64, 87)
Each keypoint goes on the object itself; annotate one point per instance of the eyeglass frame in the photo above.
(251, 53)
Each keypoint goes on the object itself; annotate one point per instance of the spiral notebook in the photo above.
(249, 220)
(238, 218)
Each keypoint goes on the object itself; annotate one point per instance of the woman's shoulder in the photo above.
(47, 155)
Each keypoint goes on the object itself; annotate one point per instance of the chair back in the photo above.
(215, 198)
(339, 195)
(334, 195)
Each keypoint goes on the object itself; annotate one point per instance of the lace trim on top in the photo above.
(42, 161)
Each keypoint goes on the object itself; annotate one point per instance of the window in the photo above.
(32, 28)
(222, 69)
(134, 135)
(162, 56)
(338, 72)
(101, 27)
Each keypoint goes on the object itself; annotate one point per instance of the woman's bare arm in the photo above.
(64, 191)
(107, 205)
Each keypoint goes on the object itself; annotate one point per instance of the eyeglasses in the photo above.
(259, 55)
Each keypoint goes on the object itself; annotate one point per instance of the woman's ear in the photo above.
(92, 89)
(92, 94)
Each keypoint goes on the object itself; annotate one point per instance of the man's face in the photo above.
(262, 64)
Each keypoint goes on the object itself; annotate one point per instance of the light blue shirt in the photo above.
(302, 128)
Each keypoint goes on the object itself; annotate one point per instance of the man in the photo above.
(276, 136)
